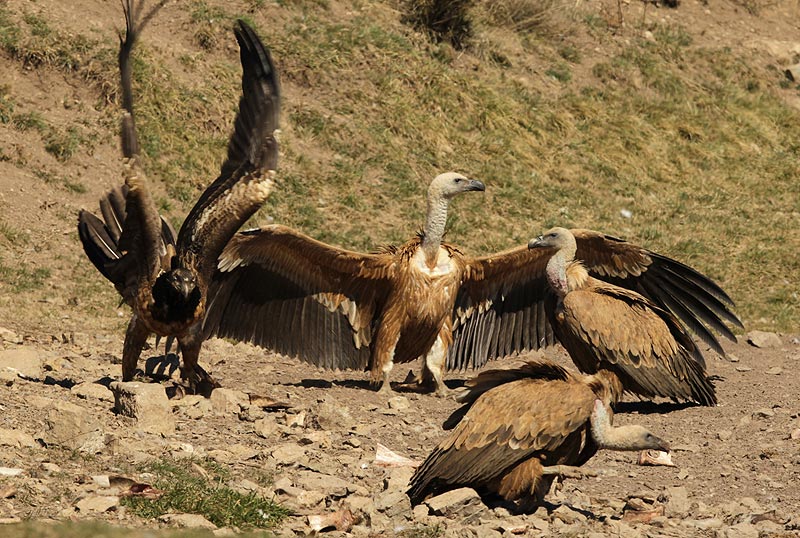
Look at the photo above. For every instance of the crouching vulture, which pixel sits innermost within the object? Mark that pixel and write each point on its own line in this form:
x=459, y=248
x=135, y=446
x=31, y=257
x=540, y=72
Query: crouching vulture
x=165, y=279
x=519, y=428
x=606, y=327
x=335, y=308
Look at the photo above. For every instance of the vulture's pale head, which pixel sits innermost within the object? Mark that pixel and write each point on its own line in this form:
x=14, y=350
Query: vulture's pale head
x=450, y=184
x=560, y=238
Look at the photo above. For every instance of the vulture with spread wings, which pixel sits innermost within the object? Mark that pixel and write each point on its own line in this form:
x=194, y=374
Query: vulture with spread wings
x=165, y=278
x=335, y=308
x=520, y=428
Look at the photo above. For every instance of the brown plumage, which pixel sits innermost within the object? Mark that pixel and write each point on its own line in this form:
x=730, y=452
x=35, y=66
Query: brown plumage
x=164, y=279
x=606, y=327
x=520, y=427
x=340, y=309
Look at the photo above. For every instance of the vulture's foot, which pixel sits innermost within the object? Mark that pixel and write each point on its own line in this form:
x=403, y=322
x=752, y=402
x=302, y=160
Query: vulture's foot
x=415, y=383
x=567, y=471
x=198, y=381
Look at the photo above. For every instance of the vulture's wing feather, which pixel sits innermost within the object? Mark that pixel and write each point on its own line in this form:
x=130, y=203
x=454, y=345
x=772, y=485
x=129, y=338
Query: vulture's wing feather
x=504, y=426
x=502, y=290
x=612, y=328
x=280, y=289
x=141, y=231
x=245, y=179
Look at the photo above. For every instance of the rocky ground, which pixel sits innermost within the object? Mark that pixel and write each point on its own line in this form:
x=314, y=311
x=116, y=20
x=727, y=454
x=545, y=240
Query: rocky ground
x=309, y=438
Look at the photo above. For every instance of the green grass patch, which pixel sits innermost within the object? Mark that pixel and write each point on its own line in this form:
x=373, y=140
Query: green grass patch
x=21, y=277
x=186, y=490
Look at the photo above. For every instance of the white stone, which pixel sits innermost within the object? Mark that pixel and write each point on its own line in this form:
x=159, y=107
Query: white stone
x=145, y=402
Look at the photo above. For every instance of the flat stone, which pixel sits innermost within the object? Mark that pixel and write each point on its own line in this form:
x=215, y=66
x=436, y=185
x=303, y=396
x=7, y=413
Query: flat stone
x=703, y=524
x=25, y=361
x=775, y=370
x=288, y=453
x=742, y=530
x=92, y=391
x=463, y=504
x=11, y=471
x=764, y=412
x=393, y=503
x=399, y=402
x=677, y=501
x=568, y=515
x=16, y=438
x=266, y=427
x=145, y=402
x=73, y=427
x=334, y=416
x=228, y=401
x=331, y=485
x=7, y=335
x=97, y=503
x=189, y=521
x=763, y=339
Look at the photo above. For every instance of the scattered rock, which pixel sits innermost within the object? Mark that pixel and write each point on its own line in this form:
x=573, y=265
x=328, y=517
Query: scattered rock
x=399, y=402
x=92, y=391
x=145, y=402
x=73, y=427
x=190, y=521
x=16, y=438
x=341, y=520
x=677, y=501
x=743, y=369
x=228, y=401
x=775, y=370
x=568, y=515
x=97, y=503
x=393, y=503
x=388, y=458
x=763, y=413
x=10, y=471
x=288, y=453
x=724, y=435
x=24, y=361
x=703, y=524
x=741, y=530
x=333, y=486
x=266, y=427
x=762, y=339
x=463, y=504
x=330, y=416
x=7, y=335
x=795, y=434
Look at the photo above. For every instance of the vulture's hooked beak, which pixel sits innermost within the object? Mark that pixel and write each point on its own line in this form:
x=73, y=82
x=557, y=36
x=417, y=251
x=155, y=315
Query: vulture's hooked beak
x=475, y=185
x=536, y=243
x=186, y=288
x=662, y=444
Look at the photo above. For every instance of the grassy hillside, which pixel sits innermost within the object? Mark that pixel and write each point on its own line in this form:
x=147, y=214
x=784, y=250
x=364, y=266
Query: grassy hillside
x=567, y=121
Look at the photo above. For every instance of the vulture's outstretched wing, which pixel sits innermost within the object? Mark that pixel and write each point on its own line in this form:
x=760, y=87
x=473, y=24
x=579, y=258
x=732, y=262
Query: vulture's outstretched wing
x=504, y=426
x=500, y=309
x=100, y=239
x=246, y=177
x=132, y=241
x=607, y=327
x=287, y=292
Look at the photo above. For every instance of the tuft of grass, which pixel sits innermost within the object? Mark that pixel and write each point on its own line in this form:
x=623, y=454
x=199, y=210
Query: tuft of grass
x=541, y=16
x=188, y=491
x=20, y=277
x=443, y=20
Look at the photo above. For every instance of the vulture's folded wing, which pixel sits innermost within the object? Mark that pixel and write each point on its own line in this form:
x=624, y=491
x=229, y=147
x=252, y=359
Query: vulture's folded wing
x=607, y=327
x=503, y=427
x=246, y=177
x=501, y=308
x=287, y=292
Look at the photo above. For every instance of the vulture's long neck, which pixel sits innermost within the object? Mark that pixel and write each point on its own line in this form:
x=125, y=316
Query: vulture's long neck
x=560, y=267
x=434, y=228
x=608, y=437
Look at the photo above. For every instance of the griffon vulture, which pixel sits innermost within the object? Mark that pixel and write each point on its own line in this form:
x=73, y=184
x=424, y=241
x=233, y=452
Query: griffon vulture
x=335, y=308
x=519, y=428
x=332, y=307
x=606, y=327
x=164, y=279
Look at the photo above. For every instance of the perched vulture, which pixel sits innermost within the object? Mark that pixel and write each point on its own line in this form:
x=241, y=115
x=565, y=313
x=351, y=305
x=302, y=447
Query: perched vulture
x=606, y=327
x=339, y=309
x=335, y=308
x=165, y=279
x=521, y=427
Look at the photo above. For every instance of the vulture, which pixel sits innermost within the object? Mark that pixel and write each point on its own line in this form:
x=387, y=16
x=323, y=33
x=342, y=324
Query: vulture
x=521, y=427
x=332, y=307
x=606, y=327
x=163, y=277
x=339, y=309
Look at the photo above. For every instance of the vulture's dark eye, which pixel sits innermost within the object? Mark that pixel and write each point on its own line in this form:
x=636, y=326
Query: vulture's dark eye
x=458, y=180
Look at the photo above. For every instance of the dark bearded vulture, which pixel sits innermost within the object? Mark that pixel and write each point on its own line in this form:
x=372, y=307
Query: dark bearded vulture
x=519, y=428
x=335, y=308
x=163, y=278
x=606, y=327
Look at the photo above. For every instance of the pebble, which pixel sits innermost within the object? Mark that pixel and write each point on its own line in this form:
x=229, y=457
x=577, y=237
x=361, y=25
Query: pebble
x=763, y=339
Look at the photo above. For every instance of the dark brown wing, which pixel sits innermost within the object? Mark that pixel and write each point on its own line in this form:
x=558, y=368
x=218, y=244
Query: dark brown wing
x=501, y=308
x=100, y=239
x=287, y=292
x=504, y=426
x=140, y=237
x=246, y=176
x=607, y=327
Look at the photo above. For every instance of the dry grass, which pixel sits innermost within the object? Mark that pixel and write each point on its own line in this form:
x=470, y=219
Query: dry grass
x=682, y=136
